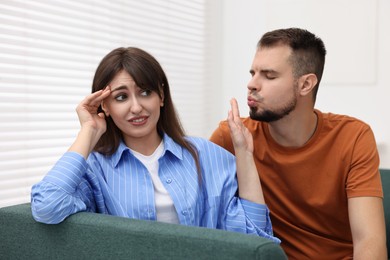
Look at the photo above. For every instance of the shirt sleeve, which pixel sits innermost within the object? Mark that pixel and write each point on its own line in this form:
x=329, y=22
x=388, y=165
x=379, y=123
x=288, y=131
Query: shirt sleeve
x=257, y=219
x=63, y=191
x=248, y=217
x=235, y=214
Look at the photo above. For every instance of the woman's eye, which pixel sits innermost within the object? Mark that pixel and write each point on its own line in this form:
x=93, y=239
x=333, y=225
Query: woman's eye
x=120, y=97
x=145, y=92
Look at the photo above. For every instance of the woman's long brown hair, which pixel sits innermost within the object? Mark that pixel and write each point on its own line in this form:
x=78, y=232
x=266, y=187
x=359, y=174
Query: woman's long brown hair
x=148, y=74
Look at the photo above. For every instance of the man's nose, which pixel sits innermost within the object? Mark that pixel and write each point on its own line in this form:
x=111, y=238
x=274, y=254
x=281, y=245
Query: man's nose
x=253, y=85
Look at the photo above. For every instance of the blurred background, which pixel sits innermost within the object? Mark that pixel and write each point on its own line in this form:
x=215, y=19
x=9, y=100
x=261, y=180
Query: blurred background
x=49, y=51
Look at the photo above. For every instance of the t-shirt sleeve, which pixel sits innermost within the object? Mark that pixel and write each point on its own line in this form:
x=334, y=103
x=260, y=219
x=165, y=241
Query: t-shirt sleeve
x=364, y=177
x=221, y=136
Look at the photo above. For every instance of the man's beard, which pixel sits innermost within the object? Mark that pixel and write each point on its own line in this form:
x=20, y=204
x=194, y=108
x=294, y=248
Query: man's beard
x=268, y=115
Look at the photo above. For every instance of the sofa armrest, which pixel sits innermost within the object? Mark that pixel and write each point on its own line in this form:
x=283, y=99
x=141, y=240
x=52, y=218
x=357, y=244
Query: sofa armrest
x=97, y=236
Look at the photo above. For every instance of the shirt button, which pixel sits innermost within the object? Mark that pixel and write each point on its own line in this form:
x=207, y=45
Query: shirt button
x=184, y=212
x=169, y=181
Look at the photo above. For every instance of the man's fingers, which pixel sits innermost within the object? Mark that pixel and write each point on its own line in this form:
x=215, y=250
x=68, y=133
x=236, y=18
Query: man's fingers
x=230, y=120
x=235, y=110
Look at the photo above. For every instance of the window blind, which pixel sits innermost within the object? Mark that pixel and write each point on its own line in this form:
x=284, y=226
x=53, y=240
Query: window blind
x=49, y=51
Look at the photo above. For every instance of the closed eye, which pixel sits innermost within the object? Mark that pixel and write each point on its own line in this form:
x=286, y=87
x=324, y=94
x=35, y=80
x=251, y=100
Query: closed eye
x=269, y=74
x=270, y=77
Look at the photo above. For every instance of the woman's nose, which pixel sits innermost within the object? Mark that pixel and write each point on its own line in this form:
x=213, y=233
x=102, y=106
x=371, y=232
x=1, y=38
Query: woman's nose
x=136, y=106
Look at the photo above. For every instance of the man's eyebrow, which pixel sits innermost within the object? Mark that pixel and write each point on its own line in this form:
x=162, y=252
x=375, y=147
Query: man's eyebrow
x=265, y=71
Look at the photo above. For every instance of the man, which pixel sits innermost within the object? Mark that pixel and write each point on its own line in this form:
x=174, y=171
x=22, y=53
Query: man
x=319, y=171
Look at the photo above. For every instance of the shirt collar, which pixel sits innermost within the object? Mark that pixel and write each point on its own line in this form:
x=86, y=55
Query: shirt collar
x=169, y=146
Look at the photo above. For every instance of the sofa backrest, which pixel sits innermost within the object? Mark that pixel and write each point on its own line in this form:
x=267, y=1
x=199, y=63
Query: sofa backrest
x=97, y=236
x=385, y=176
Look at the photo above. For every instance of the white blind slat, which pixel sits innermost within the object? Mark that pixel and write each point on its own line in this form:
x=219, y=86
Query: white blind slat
x=49, y=51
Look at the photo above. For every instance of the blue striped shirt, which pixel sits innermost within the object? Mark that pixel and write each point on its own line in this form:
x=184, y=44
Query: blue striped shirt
x=120, y=185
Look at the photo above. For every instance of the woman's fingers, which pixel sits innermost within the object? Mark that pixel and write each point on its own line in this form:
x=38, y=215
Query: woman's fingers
x=87, y=110
x=97, y=97
x=93, y=101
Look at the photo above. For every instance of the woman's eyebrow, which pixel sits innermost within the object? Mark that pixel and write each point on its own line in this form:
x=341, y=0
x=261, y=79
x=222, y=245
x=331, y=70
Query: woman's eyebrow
x=119, y=88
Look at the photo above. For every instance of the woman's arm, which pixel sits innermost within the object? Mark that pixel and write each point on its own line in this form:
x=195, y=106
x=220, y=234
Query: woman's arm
x=64, y=190
x=93, y=124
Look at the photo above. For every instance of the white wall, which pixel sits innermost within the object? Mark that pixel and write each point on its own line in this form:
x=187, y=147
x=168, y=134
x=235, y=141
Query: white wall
x=355, y=32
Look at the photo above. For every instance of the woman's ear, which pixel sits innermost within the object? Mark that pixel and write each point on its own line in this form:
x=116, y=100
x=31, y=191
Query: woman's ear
x=162, y=95
x=104, y=108
x=307, y=83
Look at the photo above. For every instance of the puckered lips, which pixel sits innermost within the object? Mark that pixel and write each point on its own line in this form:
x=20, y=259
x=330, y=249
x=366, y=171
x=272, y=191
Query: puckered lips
x=252, y=102
x=139, y=120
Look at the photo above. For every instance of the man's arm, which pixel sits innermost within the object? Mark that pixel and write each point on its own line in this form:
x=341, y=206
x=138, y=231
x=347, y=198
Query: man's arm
x=366, y=216
x=249, y=186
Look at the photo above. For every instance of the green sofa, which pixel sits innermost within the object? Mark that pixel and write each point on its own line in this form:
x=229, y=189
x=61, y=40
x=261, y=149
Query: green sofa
x=385, y=175
x=97, y=236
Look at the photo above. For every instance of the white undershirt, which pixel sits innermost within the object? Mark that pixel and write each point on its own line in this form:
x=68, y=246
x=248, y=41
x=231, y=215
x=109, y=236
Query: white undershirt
x=165, y=209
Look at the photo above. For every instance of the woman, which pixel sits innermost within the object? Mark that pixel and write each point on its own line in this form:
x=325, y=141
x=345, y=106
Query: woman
x=132, y=159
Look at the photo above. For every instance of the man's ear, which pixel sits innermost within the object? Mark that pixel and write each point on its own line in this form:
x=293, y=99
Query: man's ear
x=307, y=83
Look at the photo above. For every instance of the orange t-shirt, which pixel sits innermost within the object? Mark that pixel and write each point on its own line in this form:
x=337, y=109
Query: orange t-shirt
x=307, y=188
